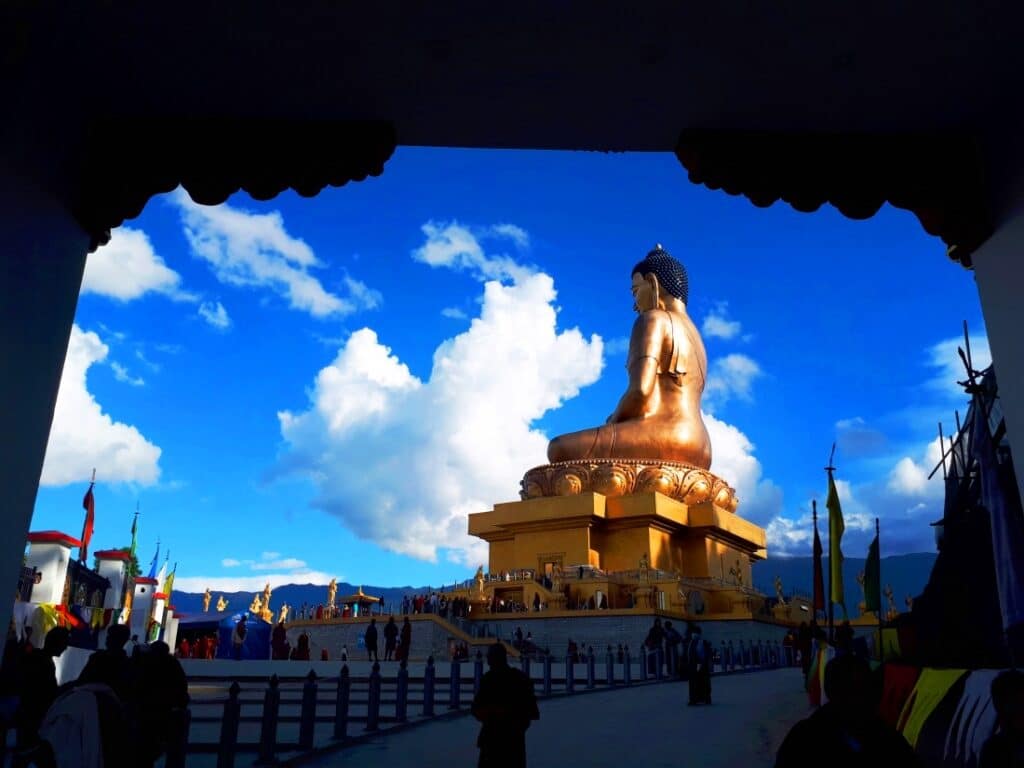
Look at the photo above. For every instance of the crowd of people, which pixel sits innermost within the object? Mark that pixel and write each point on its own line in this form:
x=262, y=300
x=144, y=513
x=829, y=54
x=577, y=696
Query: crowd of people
x=127, y=707
x=201, y=647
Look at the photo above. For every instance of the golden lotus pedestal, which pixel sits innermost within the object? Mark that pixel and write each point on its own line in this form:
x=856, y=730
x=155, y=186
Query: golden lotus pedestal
x=632, y=526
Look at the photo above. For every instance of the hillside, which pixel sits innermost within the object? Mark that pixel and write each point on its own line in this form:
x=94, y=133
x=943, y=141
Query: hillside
x=907, y=573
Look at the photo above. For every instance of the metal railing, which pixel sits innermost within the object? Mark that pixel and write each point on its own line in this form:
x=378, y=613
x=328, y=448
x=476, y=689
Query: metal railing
x=346, y=706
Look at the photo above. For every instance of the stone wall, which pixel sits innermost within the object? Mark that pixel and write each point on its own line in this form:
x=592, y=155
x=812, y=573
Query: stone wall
x=429, y=637
x=603, y=628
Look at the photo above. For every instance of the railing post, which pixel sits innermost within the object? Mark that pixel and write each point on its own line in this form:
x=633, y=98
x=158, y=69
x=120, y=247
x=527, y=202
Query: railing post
x=177, y=748
x=307, y=718
x=732, y=658
x=428, y=688
x=609, y=668
x=402, y=693
x=229, y=728
x=454, y=684
x=659, y=657
x=373, y=700
x=627, y=668
x=268, y=726
x=645, y=659
x=570, y=674
x=341, y=703
x=590, y=669
x=547, y=674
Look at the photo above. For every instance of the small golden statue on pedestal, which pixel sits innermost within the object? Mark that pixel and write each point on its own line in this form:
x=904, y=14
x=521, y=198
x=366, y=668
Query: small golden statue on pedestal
x=892, y=612
x=862, y=606
x=206, y=600
x=778, y=591
x=256, y=606
x=332, y=592
x=479, y=580
x=283, y=615
x=222, y=604
x=736, y=572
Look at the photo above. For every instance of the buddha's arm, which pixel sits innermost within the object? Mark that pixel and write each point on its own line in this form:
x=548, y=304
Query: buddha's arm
x=644, y=351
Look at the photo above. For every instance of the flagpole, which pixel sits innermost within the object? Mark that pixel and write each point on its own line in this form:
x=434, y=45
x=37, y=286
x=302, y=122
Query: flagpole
x=831, y=564
x=878, y=538
x=814, y=575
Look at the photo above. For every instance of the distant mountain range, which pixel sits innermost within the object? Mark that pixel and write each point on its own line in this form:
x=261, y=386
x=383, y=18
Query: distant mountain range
x=907, y=573
x=293, y=594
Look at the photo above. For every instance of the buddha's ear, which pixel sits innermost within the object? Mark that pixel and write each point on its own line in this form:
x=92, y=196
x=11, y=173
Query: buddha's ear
x=652, y=280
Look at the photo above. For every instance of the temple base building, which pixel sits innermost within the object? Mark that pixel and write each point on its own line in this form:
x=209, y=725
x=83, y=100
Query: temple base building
x=614, y=550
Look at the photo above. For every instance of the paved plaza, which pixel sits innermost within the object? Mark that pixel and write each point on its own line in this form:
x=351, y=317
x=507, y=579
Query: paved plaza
x=648, y=725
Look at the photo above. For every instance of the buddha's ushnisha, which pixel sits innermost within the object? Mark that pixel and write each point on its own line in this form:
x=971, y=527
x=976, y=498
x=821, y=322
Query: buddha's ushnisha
x=658, y=417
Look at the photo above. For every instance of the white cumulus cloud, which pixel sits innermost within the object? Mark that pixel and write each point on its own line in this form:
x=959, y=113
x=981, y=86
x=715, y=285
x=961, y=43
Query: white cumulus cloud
x=83, y=437
x=718, y=325
x=733, y=460
x=909, y=477
x=121, y=374
x=732, y=376
x=402, y=461
x=247, y=249
x=215, y=314
x=458, y=247
x=127, y=268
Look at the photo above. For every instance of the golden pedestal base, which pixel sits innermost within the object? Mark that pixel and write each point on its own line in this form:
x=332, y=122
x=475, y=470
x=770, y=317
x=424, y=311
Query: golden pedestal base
x=623, y=477
x=574, y=534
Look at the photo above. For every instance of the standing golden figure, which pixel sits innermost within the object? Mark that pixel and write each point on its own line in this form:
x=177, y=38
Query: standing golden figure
x=658, y=417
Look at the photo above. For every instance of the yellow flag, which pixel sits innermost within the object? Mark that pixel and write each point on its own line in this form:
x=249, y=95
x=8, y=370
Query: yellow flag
x=835, y=536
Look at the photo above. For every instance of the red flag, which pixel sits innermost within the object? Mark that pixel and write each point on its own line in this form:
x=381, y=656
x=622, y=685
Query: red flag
x=89, y=505
x=819, y=578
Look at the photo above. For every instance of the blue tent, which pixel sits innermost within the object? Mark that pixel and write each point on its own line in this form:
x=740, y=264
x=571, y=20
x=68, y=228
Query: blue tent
x=257, y=637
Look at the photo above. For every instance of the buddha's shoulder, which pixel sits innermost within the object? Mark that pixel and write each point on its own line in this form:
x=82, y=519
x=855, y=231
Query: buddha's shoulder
x=653, y=319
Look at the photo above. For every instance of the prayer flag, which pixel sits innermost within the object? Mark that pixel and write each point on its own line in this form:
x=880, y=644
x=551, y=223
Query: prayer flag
x=156, y=558
x=873, y=579
x=835, y=536
x=1001, y=499
x=169, y=584
x=819, y=578
x=89, y=505
x=135, y=527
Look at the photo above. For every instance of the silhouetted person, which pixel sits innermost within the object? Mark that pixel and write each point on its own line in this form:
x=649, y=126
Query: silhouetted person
x=1006, y=747
x=238, y=638
x=844, y=638
x=279, y=644
x=505, y=705
x=37, y=687
x=846, y=731
x=405, y=640
x=370, y=639
x=110, y=665
x=160, y=700
x=698, y=667
x=655, y=638
x=390, y=638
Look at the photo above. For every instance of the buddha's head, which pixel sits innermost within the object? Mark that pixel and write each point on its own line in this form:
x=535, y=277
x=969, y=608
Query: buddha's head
x=658, y=277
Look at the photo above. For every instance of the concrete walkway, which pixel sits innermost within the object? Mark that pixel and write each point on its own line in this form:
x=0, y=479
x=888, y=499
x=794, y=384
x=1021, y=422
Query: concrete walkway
x=649, y=726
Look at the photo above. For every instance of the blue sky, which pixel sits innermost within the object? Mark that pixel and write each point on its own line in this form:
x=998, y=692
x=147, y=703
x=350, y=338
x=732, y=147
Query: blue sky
x=308, y=388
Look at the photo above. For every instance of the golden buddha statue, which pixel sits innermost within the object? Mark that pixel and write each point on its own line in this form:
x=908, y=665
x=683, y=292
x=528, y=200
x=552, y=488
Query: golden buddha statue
x=658, y=416
x=222, y=604
x=206, y=600
x=655, y=440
